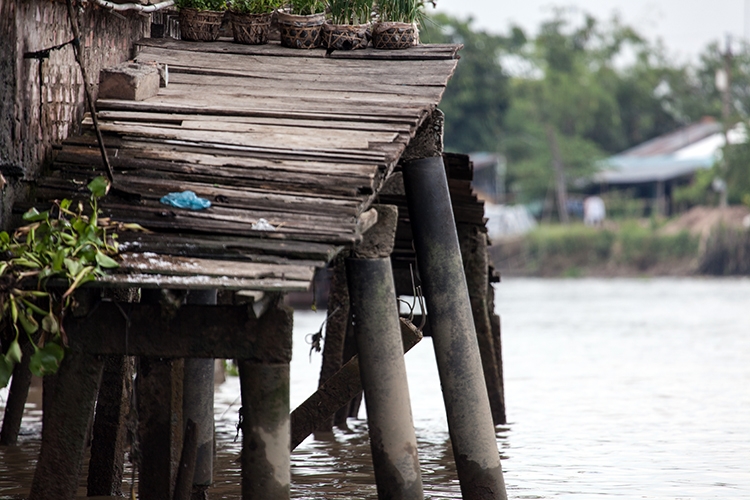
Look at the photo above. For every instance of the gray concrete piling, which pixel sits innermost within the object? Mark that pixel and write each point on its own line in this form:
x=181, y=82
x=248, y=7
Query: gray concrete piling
x=453, y=333
x=383, y=373
x=264, y=385
x=198, y=404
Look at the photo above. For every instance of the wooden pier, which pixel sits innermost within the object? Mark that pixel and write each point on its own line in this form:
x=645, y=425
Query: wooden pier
x=298, y=154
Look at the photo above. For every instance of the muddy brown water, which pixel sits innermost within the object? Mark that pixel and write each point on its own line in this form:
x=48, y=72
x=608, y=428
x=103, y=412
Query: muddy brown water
x=622, y=388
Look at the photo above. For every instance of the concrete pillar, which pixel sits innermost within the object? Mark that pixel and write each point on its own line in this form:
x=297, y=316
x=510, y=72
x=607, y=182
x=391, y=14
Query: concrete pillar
x=453, y=334
x=68, y=408
x=264, y=384
x=198, y=405
x=383, y=374
x=17, y=395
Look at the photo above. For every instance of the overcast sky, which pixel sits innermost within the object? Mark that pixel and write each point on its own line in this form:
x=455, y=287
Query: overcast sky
x=685, y=26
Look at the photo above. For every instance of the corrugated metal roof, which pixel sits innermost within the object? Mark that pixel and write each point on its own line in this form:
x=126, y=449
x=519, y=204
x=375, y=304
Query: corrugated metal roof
x=673, y=141
x=301, y=140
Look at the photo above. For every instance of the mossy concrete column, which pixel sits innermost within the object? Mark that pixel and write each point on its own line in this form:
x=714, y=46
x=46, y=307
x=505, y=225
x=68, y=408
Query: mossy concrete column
x=264, y=384
x=198, y=405
x=453, y=333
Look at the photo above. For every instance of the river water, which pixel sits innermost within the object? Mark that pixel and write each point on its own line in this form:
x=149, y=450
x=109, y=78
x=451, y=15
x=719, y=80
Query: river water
x=618, y=388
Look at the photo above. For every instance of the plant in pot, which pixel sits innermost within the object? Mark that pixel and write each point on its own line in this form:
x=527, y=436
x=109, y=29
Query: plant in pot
x=302, y=26
x=397, y=24
x=349, y=26
x=200, y=20
x=251, y=20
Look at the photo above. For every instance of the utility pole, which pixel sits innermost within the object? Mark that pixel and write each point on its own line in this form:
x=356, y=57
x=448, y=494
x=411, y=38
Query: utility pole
x=724, y=85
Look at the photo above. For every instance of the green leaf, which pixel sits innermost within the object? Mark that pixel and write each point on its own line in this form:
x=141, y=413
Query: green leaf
x=99, y=186
x=14, y=352
x=46, y=360
x=65, y=204
x=6, y=370
x=28, y=322
x=73, y=266
x=4, y=237
x=106, y=261
x=33, y=215
x=50, y=324
x=57, y=260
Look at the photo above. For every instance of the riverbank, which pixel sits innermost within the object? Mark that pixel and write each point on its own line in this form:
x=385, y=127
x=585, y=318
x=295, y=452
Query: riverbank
x=704, y=240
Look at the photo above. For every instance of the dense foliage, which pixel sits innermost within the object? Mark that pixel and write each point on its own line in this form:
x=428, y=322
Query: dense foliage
x=64, y=247
x=593, y=88
x=350, y=11
x=306, y=7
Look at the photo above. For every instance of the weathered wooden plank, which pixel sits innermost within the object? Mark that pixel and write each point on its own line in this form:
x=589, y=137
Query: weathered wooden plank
x=366, y=86
x=256, y=249
x=190, y=331
x=420, y=52
x=229, y=110
x=199, y=282
x=151, y=263
x=157, y=117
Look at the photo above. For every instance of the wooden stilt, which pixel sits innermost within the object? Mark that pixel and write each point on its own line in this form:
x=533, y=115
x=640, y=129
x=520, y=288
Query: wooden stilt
x=343, y=386
x=476, y=267
x=67, y=414
x=17, y=395
x=183, y=488
x=110, y=432
x=159, y=398
x=335, y=332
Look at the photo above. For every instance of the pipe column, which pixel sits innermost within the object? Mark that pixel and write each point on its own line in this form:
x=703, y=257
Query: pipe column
x=198, y=405
x=453, y=333
x=383, y=373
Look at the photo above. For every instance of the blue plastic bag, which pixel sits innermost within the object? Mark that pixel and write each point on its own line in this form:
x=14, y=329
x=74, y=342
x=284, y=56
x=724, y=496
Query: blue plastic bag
x=185, y=199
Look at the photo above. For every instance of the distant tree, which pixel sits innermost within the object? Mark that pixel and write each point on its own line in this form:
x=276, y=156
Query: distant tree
x=476, y=99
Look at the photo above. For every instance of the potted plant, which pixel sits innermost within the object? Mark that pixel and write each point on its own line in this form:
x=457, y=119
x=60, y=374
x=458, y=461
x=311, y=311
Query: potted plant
x=301, y=27
x=251, y=20
x=350, y=22
x=397, y=24
x=200, y=20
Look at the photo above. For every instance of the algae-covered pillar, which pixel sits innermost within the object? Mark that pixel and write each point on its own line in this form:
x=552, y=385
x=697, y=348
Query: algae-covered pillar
x=381, y=362
x=451, y=321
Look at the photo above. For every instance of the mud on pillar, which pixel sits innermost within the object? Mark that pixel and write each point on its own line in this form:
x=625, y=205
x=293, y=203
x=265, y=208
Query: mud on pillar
x=264, y=385
x=381, y=361
x=451, y=321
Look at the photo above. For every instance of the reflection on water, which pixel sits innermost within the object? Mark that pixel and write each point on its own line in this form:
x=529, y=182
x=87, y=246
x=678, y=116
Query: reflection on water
x=614, y=388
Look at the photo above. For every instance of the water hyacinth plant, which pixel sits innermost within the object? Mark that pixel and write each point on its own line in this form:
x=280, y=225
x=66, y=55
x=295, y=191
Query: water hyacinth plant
x=254, y=6
x=306, y=7
x=65, y=246
x=214, y=5
x=350, y=11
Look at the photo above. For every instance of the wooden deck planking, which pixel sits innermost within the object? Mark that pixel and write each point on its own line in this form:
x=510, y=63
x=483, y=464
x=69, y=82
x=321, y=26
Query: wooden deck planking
x=298, y=139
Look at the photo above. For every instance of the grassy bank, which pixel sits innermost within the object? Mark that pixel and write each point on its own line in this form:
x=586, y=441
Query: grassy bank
x=630, y=248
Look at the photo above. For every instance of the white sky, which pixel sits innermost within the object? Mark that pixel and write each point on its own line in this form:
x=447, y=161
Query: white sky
x=685, y=26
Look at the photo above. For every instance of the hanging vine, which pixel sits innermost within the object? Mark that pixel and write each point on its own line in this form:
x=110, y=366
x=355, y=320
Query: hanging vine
x=42, y=264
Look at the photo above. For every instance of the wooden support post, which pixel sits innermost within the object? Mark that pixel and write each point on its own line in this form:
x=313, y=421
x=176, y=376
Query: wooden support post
x=17, y=395
x=498, y=344
x=159, y=397
x=183, y=489
x=110, y=432
x=335, y=331
x=264, y=383
x=198, y=405
x=338, y=390
x=67, y=416
x=453, y=334
x=473, y=244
